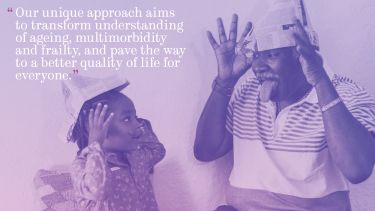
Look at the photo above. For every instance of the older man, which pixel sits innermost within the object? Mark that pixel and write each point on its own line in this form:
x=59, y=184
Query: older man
x=298, y=133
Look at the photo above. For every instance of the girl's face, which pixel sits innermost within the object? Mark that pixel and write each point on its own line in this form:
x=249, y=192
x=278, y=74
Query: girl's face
x=125, y=127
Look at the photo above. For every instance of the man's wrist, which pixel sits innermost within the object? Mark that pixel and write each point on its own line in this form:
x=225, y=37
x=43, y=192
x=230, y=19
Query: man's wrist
x=228, y=83
x=321, y=77
x=224, y=87
x=326, y=92
x=323, y=82
x=331, y=104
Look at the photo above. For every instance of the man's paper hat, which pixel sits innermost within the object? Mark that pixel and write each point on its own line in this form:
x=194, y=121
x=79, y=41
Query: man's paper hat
x=79, y=89
x=275, y=29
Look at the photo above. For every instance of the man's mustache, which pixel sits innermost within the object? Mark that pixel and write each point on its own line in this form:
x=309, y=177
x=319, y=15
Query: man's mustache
x=262, y=76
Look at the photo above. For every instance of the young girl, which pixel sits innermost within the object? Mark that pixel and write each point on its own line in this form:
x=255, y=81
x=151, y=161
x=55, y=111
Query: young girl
x=117, y=152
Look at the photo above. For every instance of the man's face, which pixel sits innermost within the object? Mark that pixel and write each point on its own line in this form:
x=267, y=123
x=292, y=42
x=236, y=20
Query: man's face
x=277, y=70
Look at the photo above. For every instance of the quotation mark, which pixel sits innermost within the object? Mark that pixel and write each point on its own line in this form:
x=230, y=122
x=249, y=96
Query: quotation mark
x=10, y=9
x=75, y=71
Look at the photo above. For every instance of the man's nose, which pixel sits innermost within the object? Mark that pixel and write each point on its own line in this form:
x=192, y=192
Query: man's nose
x=259, y=65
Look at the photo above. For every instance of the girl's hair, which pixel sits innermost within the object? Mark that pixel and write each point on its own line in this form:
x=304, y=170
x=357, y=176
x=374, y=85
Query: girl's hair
x=79, y=132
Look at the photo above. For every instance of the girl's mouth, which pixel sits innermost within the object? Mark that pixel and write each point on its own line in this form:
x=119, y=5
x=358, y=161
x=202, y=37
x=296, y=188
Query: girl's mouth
x=138, y=133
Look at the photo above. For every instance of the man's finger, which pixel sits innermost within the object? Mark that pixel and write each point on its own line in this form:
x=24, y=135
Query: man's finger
x=245, y=50
x=302, y=51
x=249, y=62
x=243, y=45
x=233, y=28
x=302, y=47
x=220, y=27
x=212, y=40
x=299, y=40
x=247, y=30
x=301, y=31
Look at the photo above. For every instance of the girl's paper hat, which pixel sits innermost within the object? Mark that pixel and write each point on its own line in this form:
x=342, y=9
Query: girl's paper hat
x=80, y=88
x=275, y=29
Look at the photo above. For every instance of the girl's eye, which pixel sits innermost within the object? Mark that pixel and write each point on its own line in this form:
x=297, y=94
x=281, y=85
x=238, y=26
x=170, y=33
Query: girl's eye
x=127, y=119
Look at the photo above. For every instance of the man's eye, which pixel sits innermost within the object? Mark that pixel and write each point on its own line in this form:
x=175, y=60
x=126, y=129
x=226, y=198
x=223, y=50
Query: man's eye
x=272, y=55
x=127, y=119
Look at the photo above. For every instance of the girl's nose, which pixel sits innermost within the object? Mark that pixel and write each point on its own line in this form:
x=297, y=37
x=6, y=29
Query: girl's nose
x=139, y=122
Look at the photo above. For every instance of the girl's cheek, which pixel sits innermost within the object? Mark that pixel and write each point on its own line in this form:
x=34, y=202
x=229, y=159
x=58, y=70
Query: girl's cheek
x=110, y=130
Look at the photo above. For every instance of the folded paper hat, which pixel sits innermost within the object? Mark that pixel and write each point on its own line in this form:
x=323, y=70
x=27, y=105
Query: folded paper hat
x=275, y=29
x=80, y=88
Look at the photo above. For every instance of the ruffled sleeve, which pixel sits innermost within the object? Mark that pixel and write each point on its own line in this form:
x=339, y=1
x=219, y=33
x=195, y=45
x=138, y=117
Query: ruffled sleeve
x=90, y=173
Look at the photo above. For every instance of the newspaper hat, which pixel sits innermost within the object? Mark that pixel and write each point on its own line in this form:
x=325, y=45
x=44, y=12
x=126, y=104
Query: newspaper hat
x=79, y=89
x=275, y=29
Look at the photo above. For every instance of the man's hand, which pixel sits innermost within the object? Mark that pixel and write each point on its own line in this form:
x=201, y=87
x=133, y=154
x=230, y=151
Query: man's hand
x=98, y=125
x=311, y=61
x=231, y=64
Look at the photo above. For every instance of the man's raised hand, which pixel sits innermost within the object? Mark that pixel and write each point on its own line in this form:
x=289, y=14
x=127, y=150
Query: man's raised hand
x=232, y=64
x=311, y=61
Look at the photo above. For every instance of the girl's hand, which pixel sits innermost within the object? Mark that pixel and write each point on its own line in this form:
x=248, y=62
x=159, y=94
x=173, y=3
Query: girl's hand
x=231, y=64
x=98, y=125
x=146, y=137
x=148, y=134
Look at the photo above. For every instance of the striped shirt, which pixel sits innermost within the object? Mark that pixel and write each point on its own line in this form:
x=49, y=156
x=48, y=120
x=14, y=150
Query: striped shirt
x=288, y=153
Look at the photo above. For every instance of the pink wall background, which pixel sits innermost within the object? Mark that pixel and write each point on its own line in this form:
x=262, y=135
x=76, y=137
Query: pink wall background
x=171, y=100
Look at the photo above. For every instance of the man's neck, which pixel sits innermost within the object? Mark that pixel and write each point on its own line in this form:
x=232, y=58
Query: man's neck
x=300, y=91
